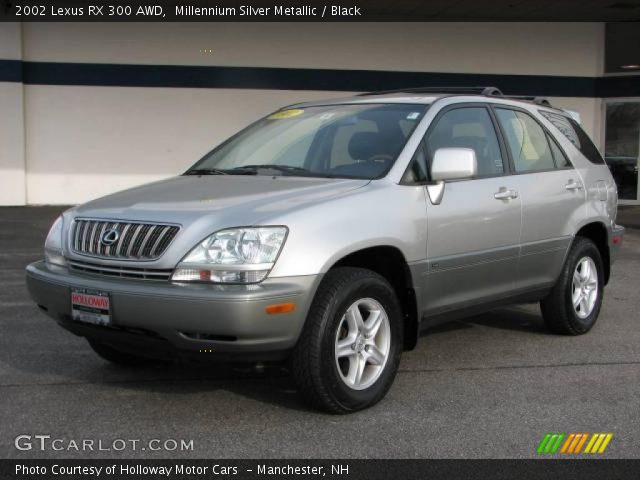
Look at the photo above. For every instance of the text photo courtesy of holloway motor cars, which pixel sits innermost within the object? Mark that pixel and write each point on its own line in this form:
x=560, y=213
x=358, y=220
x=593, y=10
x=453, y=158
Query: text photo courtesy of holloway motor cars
x=324, y=240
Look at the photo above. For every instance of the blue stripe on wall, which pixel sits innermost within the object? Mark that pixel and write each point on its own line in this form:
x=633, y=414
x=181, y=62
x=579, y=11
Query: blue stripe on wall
x=622, y=86
x=182, y=76
x=10, y=71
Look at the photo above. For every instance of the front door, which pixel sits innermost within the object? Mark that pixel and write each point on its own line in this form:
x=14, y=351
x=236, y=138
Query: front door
x=472, y=244
x=473, y=233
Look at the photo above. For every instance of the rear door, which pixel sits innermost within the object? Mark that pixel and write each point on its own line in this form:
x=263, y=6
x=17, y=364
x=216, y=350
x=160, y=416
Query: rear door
x=473, y=233
x=552, y=194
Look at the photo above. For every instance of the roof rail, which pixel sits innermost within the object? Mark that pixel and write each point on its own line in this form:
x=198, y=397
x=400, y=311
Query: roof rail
x=537, y=100
x=488, y=91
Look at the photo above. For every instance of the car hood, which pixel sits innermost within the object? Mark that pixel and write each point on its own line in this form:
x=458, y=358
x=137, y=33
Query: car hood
x=220, y=200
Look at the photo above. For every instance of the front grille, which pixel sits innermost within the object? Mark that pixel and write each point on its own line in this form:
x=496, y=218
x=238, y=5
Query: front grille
x=122, y=272
x=135, y=240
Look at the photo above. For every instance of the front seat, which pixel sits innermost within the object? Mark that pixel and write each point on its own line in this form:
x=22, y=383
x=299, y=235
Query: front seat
x=372, y=152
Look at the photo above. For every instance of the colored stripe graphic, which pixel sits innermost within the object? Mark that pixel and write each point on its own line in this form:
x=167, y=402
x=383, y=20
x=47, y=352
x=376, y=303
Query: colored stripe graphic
x=573, y=443
x=598, y=443
x=581, y=443
x=550, y=443
x=594, y=437
x=565, y=447
x=577, y=442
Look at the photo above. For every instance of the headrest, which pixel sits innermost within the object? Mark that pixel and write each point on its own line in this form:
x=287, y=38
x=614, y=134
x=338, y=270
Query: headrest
x=364, y=145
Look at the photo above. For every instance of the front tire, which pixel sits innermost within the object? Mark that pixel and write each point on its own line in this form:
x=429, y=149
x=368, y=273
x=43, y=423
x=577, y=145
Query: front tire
x=349, y=351
x=573, y=305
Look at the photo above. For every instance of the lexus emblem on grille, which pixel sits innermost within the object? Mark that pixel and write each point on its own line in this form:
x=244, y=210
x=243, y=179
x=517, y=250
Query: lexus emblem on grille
x=110, y=237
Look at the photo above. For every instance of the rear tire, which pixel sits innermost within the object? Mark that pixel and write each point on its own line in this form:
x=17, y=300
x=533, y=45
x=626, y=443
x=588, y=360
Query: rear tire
x=573, y=305
x=348, y=353
x=119, y=357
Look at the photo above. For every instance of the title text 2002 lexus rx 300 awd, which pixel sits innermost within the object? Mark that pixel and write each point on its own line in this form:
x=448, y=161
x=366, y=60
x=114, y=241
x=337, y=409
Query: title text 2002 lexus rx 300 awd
x=330, y=233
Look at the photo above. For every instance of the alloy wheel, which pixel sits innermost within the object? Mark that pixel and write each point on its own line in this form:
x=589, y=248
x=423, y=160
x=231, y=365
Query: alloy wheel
x=363, y=343
x=584, y=289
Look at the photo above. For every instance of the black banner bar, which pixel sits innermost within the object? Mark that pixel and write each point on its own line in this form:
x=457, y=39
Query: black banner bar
x=194, y=11
x=301, y=11
x=574, y=469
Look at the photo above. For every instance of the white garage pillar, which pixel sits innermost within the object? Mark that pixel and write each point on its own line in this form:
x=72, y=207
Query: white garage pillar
x=12, y=141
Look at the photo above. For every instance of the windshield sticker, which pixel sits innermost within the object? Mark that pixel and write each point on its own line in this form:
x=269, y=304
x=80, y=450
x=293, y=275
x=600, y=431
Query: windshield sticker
x=286, y=114
x=413, y=115
x=326, y=116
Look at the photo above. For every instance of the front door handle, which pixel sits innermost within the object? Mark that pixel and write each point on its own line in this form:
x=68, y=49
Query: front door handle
x=573, y=185
x=505, y=194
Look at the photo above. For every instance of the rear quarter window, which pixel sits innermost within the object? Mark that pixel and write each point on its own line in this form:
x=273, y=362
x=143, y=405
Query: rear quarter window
x=575, y=134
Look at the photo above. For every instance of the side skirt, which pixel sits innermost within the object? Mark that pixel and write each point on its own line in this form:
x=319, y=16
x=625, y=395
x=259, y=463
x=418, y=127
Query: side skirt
x=429, y=320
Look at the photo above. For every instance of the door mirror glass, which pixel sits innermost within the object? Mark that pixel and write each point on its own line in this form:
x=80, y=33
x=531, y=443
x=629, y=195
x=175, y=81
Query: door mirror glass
x=453, y=163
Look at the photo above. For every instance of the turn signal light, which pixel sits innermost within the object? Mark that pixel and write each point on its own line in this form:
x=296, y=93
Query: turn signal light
x=280, y=308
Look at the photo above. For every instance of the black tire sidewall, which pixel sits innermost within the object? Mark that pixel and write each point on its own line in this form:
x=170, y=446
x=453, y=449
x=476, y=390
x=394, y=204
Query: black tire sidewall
x=382, y=292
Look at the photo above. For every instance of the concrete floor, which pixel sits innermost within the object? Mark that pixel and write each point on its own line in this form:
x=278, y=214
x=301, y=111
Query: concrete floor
x=490, y=386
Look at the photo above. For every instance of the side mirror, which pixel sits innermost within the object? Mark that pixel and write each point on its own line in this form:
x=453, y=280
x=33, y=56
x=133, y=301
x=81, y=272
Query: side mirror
x=450, y=164
x=453, y=163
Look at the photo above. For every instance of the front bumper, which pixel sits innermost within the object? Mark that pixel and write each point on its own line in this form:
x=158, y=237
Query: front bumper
x=165, y=319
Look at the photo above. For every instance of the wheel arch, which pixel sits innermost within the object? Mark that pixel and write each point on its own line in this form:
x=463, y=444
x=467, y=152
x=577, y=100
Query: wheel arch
x=390, y=263
x=597, y=232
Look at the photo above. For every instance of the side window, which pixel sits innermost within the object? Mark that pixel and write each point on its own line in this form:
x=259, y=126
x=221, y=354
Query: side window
x=587, y=147
x=559, y=156
x=417, y=171
x=467, y=127
x=526, y=140
x=575, y=134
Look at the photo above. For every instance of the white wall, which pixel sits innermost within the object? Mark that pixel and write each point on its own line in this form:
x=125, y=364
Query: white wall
x=12, y=141
x=519, y=48
x=95, y=140
x=84, y=142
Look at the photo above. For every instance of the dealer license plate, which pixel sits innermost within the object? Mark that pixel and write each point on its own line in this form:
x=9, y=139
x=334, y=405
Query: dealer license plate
x=90, y=306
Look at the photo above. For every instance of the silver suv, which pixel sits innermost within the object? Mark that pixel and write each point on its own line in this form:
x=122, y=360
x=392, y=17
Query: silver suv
x=330, y=233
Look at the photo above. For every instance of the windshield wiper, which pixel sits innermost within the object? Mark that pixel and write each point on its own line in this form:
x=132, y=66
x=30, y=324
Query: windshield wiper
x=253, y=169
x=206, y=171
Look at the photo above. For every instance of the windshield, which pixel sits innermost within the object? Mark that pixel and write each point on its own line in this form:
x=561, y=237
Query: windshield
x=337, y=141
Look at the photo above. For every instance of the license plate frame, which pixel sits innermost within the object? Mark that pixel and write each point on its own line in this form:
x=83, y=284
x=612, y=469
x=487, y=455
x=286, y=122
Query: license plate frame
x=91, y=306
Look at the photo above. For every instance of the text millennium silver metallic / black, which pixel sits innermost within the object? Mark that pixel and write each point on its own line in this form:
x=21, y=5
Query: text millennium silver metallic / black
x=276, y=10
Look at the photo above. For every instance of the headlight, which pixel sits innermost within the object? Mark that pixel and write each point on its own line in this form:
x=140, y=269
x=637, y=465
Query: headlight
x=53, y=245
x=236, y=255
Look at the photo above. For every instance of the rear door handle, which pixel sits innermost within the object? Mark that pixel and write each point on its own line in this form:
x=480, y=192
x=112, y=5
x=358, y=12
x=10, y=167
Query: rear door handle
x=505, y=194
x=573, y=185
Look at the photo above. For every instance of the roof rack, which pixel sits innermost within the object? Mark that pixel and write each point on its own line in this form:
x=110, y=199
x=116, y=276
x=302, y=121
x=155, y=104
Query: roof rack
x=486, y=91
x=537, y=100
